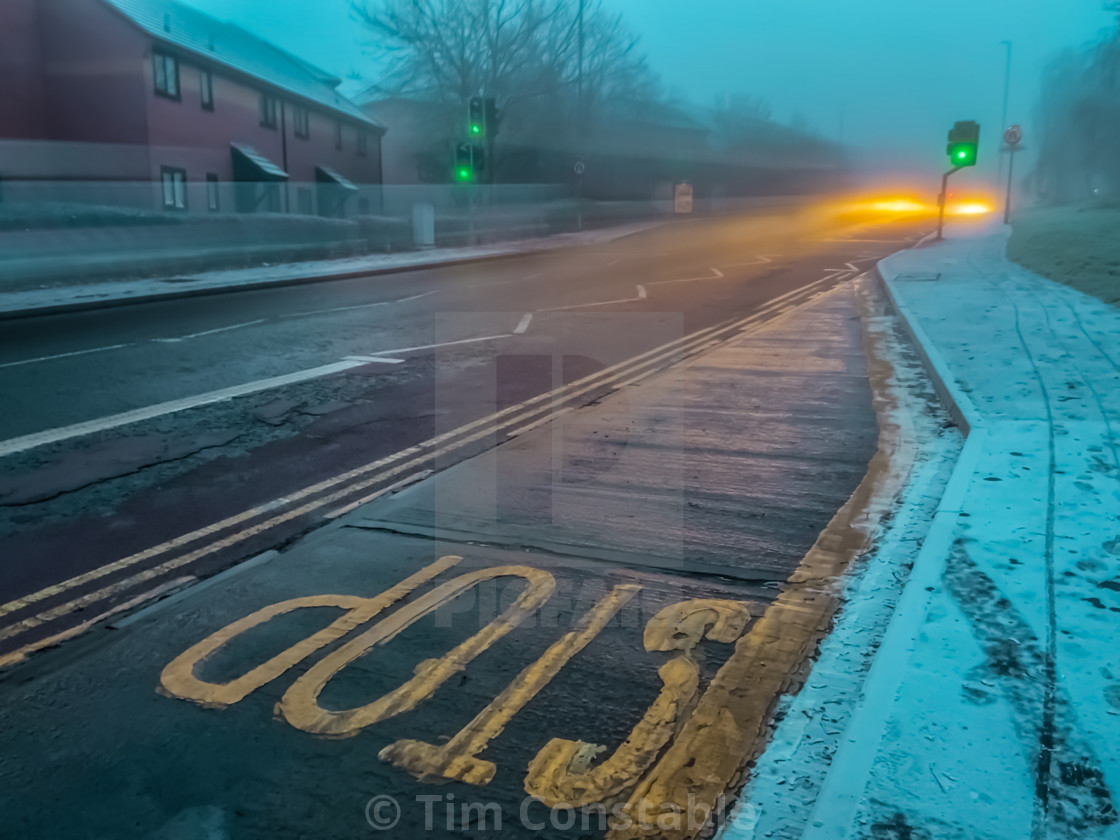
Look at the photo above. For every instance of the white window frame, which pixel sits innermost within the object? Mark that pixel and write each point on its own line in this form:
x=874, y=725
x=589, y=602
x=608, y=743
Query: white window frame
x=166, y=70
x=173, y=181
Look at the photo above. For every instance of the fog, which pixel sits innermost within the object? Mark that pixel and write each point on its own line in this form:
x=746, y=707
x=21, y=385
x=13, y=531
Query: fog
x=885, y=77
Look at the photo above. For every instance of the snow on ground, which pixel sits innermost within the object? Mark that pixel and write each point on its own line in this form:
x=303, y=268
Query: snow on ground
x=992, y=706
x=1078, y=246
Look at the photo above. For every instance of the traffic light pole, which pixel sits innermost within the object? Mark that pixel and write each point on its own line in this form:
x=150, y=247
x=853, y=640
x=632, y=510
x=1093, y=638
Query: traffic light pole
x=941, y=200
x=1011, y=150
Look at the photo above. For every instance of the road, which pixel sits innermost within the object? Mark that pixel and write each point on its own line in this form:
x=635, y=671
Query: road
x=149, y=442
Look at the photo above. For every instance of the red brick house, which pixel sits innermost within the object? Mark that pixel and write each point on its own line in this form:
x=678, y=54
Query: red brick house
x=189, y=112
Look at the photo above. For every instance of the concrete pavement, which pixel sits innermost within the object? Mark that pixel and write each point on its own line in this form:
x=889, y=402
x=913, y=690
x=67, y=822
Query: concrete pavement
x=991, y=706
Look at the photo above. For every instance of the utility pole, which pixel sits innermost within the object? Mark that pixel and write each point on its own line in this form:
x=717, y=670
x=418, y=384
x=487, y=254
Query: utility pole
x=1006, y=97
x=1012, y=138
x=579, y=82
x=581, y=122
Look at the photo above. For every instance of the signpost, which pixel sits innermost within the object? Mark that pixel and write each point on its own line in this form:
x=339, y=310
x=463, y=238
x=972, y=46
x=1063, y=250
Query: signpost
x=1012, y=139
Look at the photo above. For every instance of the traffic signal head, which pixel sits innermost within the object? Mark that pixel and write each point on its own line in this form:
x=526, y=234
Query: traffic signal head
x=469, y=161
x=476, y=117
x=464, y=164
x=964, y=143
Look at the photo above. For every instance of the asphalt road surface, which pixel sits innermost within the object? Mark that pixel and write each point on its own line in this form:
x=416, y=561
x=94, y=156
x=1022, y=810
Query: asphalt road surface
x=133, y=439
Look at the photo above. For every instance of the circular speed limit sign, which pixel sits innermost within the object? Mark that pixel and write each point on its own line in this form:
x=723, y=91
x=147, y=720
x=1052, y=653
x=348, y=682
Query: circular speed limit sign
x=1013, y=136
x=580, y=167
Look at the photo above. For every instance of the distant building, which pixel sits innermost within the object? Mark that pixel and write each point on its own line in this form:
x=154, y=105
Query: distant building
x=631, y=151
x=418, y=148
x=98, y=97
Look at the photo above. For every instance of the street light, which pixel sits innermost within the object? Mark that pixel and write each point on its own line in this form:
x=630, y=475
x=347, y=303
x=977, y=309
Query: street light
x=1006, y=95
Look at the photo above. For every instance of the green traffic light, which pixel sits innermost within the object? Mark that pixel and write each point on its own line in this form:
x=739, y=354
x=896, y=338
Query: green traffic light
x=476, y=129
x=463, y=174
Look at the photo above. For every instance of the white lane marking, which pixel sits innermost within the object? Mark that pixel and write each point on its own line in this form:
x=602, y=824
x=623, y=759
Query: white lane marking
x=365, y=360
x=385, y=353
x=532, y=277
x=208, y=332
x=641, y=296
x=759, y=260
x=22, y=444
x=414, y=297
x=523, y=324
x=359, y=306
x=715, y=275
x=63, y=355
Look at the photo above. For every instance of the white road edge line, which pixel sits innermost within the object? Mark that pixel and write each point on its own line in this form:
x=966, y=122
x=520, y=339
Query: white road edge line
x=22, y=444
x=208, y=332
x=26, y=442
x=523, y=324
x=63, y=355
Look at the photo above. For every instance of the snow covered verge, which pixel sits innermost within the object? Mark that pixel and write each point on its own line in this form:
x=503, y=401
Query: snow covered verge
x=991, y=705
x=1078, y=246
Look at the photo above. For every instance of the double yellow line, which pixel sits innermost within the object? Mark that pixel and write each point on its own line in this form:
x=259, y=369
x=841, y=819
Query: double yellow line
x=400, y=466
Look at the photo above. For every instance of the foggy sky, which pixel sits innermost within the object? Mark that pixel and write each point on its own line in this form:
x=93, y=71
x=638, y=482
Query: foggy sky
x=888, y=77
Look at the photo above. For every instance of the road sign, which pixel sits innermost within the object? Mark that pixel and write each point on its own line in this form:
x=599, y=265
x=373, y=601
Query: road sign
x=1013, y=136
x=683, y=198
x=580, y=168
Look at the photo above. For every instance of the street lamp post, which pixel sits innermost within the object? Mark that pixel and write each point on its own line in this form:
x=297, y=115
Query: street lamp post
x=1006, y=97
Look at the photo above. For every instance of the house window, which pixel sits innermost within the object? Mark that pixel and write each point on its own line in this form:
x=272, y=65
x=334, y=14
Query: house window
x=338, y=135
x=166, y=75
x=363, y=143
x=303, y=201
x=268, y=110
x=213, y=202
x=206, y=87
x=301, y=122
x=174, y=183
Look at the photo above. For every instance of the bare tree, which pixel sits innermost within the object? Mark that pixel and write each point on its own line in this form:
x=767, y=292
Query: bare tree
x=1079, y=121
x=524, y=53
